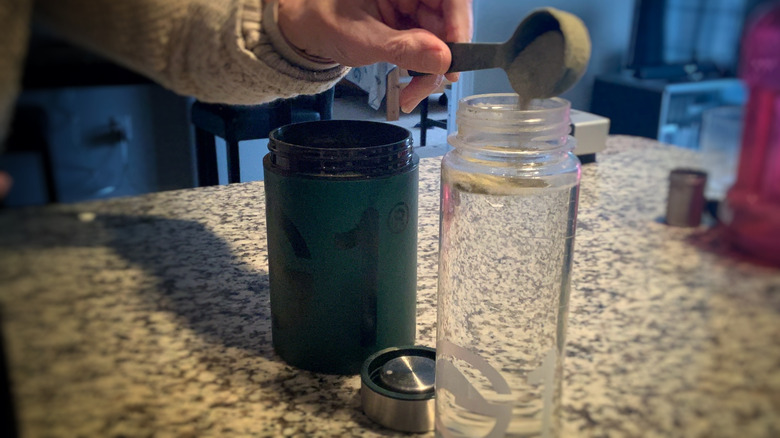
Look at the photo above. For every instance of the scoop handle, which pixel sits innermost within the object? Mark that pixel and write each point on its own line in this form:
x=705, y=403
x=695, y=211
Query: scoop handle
x=472, y=56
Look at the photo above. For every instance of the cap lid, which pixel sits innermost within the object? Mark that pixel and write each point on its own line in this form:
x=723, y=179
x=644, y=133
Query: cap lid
x=397, y=388
x=685, y=202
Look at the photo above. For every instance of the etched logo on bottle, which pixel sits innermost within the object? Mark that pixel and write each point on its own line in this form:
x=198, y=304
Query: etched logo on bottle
x=398, y=218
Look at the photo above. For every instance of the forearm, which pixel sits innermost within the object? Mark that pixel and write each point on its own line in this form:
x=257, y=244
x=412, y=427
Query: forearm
x=214, y=50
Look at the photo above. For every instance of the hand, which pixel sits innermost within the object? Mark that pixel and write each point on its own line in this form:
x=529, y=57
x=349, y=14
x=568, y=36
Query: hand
x=407, y=33
x=5, y=184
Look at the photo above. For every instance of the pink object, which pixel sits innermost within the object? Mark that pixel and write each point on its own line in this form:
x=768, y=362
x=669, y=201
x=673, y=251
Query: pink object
x=753, y=203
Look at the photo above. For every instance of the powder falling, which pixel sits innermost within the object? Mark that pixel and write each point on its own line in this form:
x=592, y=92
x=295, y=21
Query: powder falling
x=536, y=71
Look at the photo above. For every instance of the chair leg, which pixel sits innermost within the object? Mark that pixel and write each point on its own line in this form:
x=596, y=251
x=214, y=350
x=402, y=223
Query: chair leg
x=233, y=164
x=423, y=121
x=324, y=103
x=205, y=150
x=48, y=171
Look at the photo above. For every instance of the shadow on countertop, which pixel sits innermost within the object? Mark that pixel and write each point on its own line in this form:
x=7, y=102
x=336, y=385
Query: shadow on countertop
x=187, y=269
x=193, y=273
x=716, y=241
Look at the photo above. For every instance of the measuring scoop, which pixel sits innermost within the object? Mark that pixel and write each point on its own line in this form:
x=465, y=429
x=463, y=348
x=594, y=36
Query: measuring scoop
x=546, y=56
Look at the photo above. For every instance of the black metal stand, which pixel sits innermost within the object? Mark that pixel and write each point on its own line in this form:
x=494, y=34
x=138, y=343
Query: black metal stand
x=426, y=123
x=236, y=123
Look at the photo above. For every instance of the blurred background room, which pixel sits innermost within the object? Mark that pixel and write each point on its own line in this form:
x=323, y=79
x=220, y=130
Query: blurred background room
x=88, y=129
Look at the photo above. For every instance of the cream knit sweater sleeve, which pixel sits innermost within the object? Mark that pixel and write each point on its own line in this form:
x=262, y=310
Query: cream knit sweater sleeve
x=214, y=50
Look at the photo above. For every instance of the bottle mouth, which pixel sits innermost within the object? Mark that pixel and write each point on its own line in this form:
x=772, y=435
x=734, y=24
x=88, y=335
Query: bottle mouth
x=498, y=122
x=503, y=112
x=341, y=149
x=490, y=103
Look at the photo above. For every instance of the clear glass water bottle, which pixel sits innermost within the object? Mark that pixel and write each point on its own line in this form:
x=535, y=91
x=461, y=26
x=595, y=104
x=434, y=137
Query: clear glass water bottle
x=508, y=214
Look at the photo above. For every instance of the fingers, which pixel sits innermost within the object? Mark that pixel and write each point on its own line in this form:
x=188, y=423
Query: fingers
x=407, y=33
x=419, y=50
x=458, y=20
x=418, y=89
x=407, y=7
x=450, y=20
x=387, y=12
x=414, y=49
x=433, y=4
x=430, y=19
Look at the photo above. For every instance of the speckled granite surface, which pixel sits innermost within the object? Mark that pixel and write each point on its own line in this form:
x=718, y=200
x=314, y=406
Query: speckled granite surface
x=149, y=316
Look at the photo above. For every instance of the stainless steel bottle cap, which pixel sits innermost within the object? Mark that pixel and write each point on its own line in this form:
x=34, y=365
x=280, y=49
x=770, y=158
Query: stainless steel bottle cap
x=397, y=388
x=685, y=203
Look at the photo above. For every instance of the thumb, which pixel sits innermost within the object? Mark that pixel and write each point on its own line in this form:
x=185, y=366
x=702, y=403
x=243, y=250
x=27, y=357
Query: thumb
x=413, y=49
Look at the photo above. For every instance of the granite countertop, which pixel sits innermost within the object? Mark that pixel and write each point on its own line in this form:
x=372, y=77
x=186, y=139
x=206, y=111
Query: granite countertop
x=149, y=316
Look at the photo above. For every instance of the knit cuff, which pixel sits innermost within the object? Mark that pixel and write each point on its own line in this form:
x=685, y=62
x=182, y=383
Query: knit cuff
x=281, y=77
x=268, y=21
x=286, y=49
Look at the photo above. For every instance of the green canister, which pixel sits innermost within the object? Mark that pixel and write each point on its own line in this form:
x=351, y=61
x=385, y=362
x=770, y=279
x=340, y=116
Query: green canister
x=341, y=213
